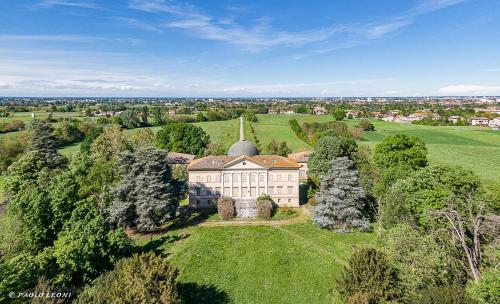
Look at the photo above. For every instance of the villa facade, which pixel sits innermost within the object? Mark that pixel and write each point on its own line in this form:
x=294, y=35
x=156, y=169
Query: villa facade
x=243, y=174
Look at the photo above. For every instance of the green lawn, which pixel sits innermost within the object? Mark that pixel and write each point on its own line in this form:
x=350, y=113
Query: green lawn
x=476, y=148
x=259, y=264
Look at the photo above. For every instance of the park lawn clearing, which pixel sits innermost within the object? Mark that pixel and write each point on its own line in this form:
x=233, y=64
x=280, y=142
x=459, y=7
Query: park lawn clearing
x=295, y=263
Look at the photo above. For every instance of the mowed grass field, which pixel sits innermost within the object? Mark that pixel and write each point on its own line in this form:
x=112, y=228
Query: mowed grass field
x=26, y=116
x=259, y=264
x=476, y=148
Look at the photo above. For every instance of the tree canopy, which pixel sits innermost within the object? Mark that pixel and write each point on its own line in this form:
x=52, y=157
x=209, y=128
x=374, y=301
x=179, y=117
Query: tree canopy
x=182, y=137
x=327, y=149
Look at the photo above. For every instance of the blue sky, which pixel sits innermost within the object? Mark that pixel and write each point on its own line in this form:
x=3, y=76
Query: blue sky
x=249, y=48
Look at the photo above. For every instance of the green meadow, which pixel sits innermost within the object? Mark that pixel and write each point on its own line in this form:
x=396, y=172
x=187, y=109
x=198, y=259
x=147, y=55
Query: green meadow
x=295, y=263
x=476, y=148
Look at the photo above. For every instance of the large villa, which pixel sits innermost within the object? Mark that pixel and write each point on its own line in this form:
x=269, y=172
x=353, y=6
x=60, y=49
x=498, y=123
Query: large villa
x=244, y=175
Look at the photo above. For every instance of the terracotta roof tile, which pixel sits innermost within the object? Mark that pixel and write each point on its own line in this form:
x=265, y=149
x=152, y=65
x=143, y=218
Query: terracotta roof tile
x=217, y=162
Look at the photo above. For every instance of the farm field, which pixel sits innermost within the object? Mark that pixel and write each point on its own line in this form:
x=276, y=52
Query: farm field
x=26, y=116
x=258, y=264
x=476, y=148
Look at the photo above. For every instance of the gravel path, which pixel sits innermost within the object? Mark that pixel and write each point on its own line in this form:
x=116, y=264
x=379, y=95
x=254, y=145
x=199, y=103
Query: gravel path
x=303, y=216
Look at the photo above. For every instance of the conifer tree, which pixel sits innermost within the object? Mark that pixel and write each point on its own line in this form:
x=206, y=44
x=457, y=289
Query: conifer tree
x=147, y=195
x=44, y=141
x=341, y=199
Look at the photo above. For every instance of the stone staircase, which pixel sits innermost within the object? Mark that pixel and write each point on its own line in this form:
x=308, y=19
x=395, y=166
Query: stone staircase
x=246, y=207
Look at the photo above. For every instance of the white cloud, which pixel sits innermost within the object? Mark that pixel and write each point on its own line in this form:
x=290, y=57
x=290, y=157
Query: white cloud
x=80, y=4
x=67, y=38
x=260, y=35
x=462, y=89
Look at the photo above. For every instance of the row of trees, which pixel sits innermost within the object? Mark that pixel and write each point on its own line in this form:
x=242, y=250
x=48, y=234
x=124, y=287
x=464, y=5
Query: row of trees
x=67, y=217
x=437, y=224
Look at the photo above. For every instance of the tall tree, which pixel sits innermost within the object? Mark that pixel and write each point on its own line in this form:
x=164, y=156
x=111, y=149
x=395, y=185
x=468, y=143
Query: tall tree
x=283, y=149
x=341, y=200
x=44, y=140
x=182, y=137
x=146, y=196
x=144, y=115
x=401, y=150
x=157, y=115
x=88, y=245
x=327, y=149
x=144, y=278
x=109, y=144
x=368, y=278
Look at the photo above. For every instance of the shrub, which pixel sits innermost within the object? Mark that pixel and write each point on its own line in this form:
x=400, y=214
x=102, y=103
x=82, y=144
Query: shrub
x=368, y=278
x=487, y=290
x=366, y=125
x=225, y=208
x=446, y=295
x=264, y=207
x=142, y=278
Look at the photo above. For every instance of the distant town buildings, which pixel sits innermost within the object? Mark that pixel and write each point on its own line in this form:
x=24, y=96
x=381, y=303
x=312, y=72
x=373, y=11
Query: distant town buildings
x=479, y=121
x=318, y=110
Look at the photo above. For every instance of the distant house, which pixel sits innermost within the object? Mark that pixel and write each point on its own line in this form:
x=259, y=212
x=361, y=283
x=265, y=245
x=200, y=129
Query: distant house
x=436, y=117
x=171, y=112
x=388, y=118
x=318, y=110
x=353, y=113
x=454, y=119
x=273, y=111
x=494, y=123
x=479, y=121
x=289, y=112
x=301, y=158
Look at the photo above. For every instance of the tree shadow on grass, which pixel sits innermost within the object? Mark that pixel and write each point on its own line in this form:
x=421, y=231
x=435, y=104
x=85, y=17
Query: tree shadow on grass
x=190, y=218
x=193, y=293
x=154, y=245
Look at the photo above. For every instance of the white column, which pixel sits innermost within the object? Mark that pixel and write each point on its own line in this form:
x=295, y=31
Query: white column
x=267, y=176
x=241, y=190
x=221, y=183
x=258, y=184
x=249, y=186
x=231, y=184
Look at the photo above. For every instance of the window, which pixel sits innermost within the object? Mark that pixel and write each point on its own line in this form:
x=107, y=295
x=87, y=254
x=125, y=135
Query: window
x=244, y=178
x=289, y=189
x=236, y=191
x=252, y=177
x=271, y=190
x=278, y=177
x=227, y=191
x=226, y=177
x=302, y=173
x=279, y=188
x=209, y=178
x=289, y=201
x=198, y=178
x=236, y=177
x=271, y=177
x=261, y=177
x=289, y=177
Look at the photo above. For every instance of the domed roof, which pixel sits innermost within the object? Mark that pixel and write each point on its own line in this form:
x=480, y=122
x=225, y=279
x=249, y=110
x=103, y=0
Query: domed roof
x=243, y=147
